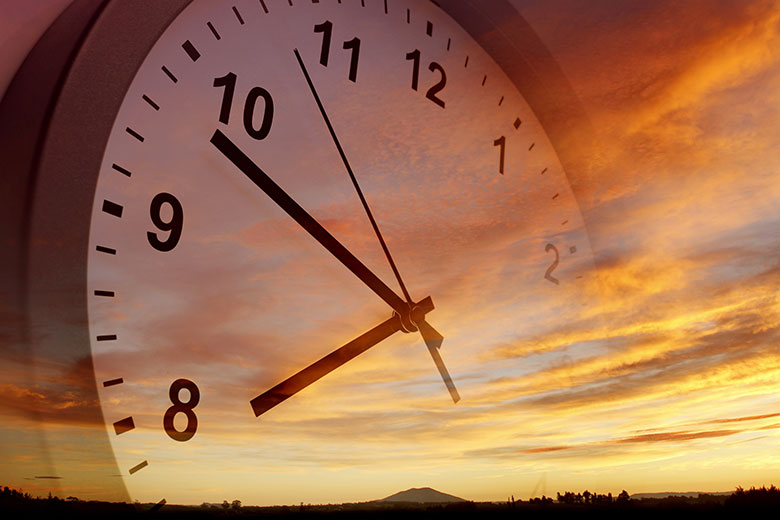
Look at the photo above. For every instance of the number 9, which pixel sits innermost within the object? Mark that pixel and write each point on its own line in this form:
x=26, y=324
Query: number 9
x=174, y=225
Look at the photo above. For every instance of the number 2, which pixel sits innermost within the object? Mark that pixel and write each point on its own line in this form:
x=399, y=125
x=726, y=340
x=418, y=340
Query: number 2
x=548, y=274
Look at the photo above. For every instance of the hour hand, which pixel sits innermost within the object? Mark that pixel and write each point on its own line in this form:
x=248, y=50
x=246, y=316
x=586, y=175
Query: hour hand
x=294, y=384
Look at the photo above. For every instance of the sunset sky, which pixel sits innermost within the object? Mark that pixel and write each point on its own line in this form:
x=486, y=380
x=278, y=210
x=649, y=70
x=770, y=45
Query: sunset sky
x=658, y=372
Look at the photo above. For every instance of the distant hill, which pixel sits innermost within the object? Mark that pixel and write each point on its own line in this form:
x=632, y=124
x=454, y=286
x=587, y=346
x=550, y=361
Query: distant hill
x=692, y=494
x=422, y=495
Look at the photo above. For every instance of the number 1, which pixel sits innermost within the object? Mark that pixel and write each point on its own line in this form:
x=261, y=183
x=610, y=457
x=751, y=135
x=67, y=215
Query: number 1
x=501, y=141
x=326, y=28
x=354, y=45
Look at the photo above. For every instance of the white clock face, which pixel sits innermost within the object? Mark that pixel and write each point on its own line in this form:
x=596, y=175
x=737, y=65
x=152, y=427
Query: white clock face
x=196, y=274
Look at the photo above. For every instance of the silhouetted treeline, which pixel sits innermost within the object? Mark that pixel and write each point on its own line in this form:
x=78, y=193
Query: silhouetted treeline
x=567, y=504
x=586, y=497
x=18, y=501
x=763, y=497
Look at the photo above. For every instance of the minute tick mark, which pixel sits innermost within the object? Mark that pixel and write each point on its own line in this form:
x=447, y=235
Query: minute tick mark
x=169, y=74
x=157, y=506
x=213, y=30
x=134, y=134
x=121, y=170
x=238, y=15
x=138, y=467
x=151, y=103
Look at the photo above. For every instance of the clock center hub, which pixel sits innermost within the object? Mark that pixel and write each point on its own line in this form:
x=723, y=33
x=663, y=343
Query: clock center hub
x=415, y=313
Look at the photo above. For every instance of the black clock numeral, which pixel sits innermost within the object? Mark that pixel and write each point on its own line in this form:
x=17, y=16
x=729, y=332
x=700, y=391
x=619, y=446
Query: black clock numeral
x=228, y=81
x=175, y=225
x=180, y=407
x=438, y=87
x=249, y=111
x=414, y=56
x=326, y=28
x=354, y=46
x=548, y=274
x=501, y=141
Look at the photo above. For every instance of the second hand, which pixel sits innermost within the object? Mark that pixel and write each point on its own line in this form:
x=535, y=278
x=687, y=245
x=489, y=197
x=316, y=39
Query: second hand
x=354, y=179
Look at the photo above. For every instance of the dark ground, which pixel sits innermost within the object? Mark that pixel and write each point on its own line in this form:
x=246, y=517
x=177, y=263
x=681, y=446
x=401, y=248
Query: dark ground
x=741, y=502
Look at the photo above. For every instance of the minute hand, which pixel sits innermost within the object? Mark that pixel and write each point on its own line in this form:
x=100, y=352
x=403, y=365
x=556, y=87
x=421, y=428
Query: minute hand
x=307, y=222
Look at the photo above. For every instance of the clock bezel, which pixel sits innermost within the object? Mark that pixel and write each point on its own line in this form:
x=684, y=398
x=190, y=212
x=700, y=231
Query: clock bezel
x=57, y=114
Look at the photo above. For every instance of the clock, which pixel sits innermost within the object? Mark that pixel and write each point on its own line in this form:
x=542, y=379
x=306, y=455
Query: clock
x=297, y=241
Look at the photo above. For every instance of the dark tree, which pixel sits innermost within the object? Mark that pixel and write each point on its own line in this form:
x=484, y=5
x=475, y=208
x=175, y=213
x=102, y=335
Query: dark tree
x=762, y=497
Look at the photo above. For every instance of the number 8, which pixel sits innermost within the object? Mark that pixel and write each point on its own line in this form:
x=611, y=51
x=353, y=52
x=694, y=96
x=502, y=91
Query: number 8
x=185, y=408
